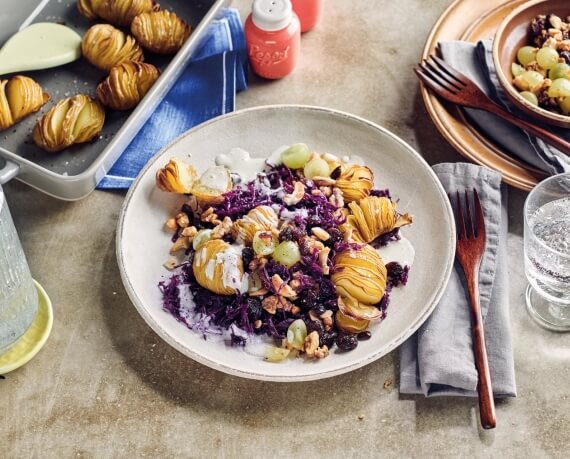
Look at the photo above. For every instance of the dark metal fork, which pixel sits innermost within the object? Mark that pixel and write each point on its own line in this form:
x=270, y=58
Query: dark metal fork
x=455, y=87
x=469, y=252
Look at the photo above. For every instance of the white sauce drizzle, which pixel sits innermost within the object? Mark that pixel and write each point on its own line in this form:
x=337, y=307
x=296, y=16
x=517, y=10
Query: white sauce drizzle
x=215, y=178
x=231, y=275
x=401, y=251
x=241, y=163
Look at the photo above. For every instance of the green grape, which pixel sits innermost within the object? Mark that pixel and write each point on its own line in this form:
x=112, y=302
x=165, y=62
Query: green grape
x=296, y=156
x=276, y=354
x=547, y=57
x=316, y=168
x=565, y=105
x=287, y=253
x=559, y=88
x=532, y=78
x=263, y=243
x=560, y=70
x=296, y=334
x=202, y=236
x=517, y=69
x=530, y=97
x=526, y=54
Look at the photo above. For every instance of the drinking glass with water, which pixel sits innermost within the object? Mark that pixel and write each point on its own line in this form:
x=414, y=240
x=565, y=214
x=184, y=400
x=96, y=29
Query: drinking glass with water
x=18, y=295
x=547, y=252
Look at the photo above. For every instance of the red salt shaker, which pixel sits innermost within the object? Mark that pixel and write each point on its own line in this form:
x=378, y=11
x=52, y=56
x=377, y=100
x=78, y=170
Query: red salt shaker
x=273, y=35
x=309, y=12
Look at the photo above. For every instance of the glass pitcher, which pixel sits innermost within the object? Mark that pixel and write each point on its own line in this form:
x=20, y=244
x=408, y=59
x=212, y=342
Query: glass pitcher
x=18, y=296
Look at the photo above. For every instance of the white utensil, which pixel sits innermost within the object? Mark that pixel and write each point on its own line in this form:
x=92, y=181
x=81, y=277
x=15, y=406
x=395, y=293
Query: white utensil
x=40, y=46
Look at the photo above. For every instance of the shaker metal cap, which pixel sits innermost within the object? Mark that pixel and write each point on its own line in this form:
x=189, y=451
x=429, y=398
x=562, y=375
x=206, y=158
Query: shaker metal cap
x=272, y=15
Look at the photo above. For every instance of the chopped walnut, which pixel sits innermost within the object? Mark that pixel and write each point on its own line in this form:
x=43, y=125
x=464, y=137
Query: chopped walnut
x=209, y=216
x=316, y=192
x=295, y=284
x=551, y=42
x=320, y=233
x=257, y=324
x=311, y=343
x=321, y=352
x=270, y=304
x=281, y=288
x=189, y=231
x=564, y=45
x=296, y=195
x=171, y=263
x=337, y=198
x=323, y=181
x=323, y=260
x=182, y=220
x=326, y=190
x=260, y=292
x=387, y=383
x=180, y=244
x=555, y=22
x=327, y=318
x=257, y=263
x=223, y=228
x=171, y=224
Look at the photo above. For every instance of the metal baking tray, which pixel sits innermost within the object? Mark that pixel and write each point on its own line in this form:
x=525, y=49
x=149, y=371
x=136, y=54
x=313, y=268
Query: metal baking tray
x=73, y=173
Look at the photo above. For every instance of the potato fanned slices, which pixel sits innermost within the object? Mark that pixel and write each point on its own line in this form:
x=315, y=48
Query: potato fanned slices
x=360, y=274
x=218, y=267
x=126, y=85
x=105, y=47
x=20, y=96
x=373, y=216
x=176, y=177
x=161, y=32
x=261, y=218
x=355, y=182
x=76, y=119
x=118, y=12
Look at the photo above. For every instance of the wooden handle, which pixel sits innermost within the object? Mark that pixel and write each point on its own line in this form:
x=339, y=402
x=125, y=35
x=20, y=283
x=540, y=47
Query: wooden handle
x=484, y=388
x=539, y=132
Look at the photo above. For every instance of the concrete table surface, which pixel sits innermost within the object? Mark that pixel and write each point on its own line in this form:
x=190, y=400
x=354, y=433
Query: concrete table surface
x=106, y=385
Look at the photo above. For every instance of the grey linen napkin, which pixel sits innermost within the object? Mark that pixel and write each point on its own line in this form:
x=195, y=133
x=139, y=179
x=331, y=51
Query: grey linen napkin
x=476, y=62
x=438, y=359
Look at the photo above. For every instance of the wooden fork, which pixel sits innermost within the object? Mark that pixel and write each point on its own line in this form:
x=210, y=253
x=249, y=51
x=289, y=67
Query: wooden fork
x=469, y=251
x=455, y=87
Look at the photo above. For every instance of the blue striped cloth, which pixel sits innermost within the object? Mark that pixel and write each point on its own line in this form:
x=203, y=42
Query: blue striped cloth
x=206, y=89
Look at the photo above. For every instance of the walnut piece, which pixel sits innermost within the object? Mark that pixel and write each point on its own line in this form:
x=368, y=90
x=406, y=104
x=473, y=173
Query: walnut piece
x=223, y=228
x=311, y=343
x=296, y=195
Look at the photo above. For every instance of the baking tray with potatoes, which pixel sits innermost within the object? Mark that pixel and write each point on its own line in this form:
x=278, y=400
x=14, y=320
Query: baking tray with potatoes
x=51, y=160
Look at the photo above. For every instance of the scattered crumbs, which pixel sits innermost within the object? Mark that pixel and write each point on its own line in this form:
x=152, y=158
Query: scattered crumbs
x=360, y=417
x=114, y=293
x=383, y=420
x=387, y=383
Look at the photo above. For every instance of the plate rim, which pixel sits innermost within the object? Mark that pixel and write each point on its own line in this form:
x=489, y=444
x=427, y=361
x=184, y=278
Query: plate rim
x=434, y=108
x=162, y=333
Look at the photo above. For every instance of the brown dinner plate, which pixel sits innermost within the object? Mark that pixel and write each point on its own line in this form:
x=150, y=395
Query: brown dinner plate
x=472, y=21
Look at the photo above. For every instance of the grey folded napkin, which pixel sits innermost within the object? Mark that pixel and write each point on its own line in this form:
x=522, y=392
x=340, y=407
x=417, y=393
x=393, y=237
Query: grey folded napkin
x=438, y=359
x=476, y=62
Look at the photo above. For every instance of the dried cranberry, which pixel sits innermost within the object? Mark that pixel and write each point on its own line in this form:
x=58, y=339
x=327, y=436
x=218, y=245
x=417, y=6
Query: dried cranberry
x=316, y=325
x=566, y=56
x=247, y=255
x=286, y=234
x=346, y=342
x=335, y=237
x=364, y=336
x=336, y=172
x=254, y=309
x=328, y=339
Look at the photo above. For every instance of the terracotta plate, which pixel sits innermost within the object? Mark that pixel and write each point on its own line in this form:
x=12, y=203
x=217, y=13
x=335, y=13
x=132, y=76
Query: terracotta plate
x=473, y=21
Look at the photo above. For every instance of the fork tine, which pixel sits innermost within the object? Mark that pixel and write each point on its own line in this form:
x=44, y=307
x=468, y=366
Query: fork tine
x=470, y=229
x=450, y=70
x=431, y=83
x=479, y=215
x=442, y=84
x=450, y=81
x=460, y=219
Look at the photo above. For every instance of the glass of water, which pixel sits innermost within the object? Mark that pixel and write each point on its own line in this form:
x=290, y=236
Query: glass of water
x=547, y=252
x=18, y=295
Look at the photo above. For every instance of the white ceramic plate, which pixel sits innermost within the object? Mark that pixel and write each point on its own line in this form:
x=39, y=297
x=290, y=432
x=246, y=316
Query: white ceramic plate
x=143, y=243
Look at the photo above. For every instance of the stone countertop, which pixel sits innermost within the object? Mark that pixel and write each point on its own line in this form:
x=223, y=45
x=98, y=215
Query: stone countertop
x=106, y=385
